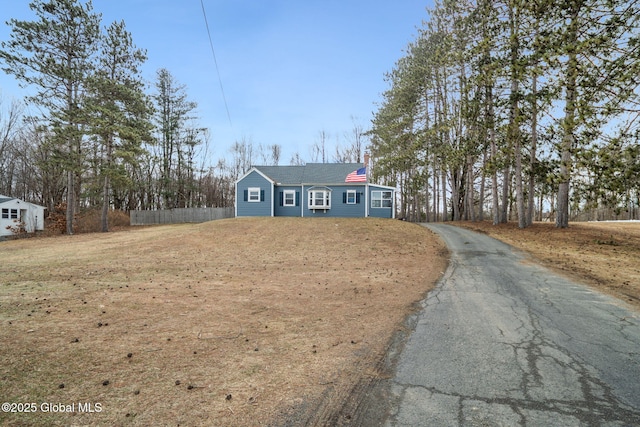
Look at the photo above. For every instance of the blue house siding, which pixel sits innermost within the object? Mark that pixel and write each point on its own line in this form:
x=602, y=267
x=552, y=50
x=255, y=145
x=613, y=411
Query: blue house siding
x=379, y=205
x=244, y=207
x=281, y=208
x=340, y=206
x=285, y=191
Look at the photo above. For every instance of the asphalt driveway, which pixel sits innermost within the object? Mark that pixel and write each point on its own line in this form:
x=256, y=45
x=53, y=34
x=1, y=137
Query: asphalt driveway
x=504, y=342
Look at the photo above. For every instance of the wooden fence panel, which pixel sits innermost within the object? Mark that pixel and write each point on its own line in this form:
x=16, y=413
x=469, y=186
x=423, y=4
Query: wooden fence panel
x=179, y=215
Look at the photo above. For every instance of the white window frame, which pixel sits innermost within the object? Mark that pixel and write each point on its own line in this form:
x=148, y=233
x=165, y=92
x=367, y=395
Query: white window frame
x=5, y=213
x=351, y=197
x=289, y=198
x=253, y=194
x=378, y=199
x=325, y=198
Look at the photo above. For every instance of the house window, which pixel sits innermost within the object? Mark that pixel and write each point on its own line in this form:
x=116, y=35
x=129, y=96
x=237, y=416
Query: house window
x=14, y=213
x=254, y=194
x=381, y=199
x=319, y=199
x=351, y=197
x=289, y=198
x=5, y=213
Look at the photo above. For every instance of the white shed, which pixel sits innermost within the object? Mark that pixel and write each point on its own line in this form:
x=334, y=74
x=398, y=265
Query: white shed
x=16, y=213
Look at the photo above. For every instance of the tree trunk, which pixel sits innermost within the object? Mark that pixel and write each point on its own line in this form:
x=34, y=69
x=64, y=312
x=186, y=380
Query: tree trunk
x=489, y=113
x=506, y=190
x=436, y=189
x=426, y=198
x=483, y=179
x=569, y=123
x=106, y=170
x=469, y=193
x=540, y=206
x=514, y=113
x=71, y=204
x=522, y=219
x=534, y=145
x=455, y=193
x=104, y=219
x=443, y=179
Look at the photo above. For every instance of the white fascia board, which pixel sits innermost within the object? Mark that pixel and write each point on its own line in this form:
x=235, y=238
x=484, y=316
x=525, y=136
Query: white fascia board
x=384, y=187
x=259, y=172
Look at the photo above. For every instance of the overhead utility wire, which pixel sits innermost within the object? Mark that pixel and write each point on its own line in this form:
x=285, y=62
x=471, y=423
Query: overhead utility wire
x=215, y=60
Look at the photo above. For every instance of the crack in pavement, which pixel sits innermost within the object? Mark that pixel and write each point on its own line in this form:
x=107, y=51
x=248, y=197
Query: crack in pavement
x=584, y=411
x=504, y=342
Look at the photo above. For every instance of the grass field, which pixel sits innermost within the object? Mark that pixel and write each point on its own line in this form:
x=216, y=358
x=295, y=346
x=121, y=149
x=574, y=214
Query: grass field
x=239, y=322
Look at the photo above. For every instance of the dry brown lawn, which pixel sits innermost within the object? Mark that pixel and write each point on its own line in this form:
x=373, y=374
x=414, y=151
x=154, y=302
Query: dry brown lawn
x=239, y=322
x=605, y=255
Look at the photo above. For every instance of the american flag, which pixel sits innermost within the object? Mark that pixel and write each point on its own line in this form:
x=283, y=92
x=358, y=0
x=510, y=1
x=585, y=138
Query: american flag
x=359, y=175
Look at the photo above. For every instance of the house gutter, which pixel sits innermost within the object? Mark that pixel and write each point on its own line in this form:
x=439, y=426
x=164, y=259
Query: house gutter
x=273, y=200
x=235, y=208
x=366, y=200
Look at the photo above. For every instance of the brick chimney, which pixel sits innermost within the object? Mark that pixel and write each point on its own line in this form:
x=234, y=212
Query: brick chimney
x=366, y=159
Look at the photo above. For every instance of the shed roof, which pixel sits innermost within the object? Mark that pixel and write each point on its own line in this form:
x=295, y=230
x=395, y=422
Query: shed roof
x=311, y=173
x=4, y=199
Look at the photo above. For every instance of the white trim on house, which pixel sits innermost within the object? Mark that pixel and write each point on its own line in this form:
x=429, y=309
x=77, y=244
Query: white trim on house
x=255, y=170
x=366, y=201
x=273, y=200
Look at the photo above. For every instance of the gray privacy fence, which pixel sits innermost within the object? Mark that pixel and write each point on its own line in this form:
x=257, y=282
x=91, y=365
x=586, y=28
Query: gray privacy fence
x=179, y=215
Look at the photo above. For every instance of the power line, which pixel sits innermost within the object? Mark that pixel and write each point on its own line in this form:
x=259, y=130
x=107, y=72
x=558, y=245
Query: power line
x=215, y=60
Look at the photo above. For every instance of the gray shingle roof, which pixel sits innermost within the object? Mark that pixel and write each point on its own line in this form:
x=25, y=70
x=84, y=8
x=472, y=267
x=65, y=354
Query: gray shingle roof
x=311, y=173
x=283, y=174
x=5, y=199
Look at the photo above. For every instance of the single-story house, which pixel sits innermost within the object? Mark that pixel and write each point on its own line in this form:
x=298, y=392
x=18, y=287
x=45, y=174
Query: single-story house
x=313, y=190
x=16, y=214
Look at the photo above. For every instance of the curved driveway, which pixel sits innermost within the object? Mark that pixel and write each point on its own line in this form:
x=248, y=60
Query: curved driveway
x=504, y=342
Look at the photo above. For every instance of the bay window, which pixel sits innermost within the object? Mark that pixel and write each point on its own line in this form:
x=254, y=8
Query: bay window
x=319, y=198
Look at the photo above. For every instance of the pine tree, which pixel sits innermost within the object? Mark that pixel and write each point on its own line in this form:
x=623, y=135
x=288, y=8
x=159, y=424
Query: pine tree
x=172, y=112
x=117, y=109
x=599, y=60
x=53, y=55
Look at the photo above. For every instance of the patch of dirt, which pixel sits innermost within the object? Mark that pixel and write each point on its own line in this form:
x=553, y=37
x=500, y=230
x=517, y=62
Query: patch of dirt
x=240, y=322
x=604, y=255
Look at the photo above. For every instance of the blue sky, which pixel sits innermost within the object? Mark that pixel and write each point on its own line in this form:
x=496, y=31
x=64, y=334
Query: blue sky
x=289, y=68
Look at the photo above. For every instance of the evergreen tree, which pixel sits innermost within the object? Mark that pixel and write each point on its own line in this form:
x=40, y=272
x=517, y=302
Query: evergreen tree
x=599, y=58
x=53, y=55
x=117, y=109
x=173, y=111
